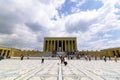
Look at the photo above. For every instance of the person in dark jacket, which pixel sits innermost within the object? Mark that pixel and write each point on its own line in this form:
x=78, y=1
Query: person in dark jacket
x=105, y=58
x=42, y=60
x=22, y=57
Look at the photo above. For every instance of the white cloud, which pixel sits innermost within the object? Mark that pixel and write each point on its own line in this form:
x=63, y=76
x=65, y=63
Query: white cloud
x=104, y=19
x=97, y=44
x=24, y=24
x=107, y=36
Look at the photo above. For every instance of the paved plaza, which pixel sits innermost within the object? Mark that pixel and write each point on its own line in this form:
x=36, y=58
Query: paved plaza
x=15, y=69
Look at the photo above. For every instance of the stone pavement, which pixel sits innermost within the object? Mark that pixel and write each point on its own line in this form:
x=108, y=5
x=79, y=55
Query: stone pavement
x=54, y=70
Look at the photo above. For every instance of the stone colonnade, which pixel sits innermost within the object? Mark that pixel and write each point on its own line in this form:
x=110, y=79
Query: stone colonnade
x=5, y=52
x=60, y=44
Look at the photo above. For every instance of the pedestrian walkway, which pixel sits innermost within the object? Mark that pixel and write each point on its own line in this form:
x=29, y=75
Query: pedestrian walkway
x=54, y=70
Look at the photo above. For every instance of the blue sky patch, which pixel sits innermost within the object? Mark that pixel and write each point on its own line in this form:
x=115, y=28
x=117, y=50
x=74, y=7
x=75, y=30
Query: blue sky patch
x=118, y=12
x=114, y=33
x=66, y=8
x=90, y=5
x=117, y=6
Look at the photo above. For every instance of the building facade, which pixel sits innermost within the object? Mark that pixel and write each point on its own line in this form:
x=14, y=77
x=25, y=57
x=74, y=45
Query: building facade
x=109, y=52
x=5, y=52
x=112, y=52
x=60, y=44
x=13, y=52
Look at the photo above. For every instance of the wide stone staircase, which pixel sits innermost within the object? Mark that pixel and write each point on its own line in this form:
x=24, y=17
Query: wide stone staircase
x=47, y=54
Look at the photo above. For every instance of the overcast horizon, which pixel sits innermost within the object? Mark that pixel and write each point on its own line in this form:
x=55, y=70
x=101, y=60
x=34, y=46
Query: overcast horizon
x=25, y=23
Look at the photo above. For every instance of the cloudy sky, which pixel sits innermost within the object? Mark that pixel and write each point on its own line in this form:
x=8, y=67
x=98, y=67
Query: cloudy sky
x=25, y=23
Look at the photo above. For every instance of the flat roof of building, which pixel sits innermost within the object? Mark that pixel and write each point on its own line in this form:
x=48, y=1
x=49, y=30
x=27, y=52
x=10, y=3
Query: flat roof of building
x=59, y=38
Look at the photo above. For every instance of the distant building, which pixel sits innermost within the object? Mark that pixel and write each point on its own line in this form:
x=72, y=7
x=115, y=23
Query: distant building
x=109, y=52
x=112, y=51
x=7, y=52
x=13, y=52
x=60, y=44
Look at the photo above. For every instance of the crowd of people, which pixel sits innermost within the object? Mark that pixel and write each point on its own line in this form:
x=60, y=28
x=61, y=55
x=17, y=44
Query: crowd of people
x=73, y=55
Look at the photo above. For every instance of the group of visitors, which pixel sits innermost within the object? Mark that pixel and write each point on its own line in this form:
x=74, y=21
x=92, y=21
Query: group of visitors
x=88, y=58
x=64, y=58
x=115, y=58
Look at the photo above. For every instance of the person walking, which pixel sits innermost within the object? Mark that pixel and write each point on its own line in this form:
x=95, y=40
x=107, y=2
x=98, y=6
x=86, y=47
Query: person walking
x=28, y=56
x=115, y=58
x=65, y=61
x=86, y=57
x=62, y=59
x=105, y=58
x=42, y=61
x=22, y=57
x=89, y=57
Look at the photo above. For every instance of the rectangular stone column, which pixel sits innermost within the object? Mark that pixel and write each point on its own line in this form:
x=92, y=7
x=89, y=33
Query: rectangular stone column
x=57, y=45
x=72, y=45
x=44, y=46
x=62, y=45
x=51, y=45
x=6, y=53
x=75, y=46
x=2, y=51
x=48, y=46
x=69, y=45
x=54, y=45
x=66, y=45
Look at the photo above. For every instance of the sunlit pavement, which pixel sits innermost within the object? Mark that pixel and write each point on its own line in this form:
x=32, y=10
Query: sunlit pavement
x=12, y=69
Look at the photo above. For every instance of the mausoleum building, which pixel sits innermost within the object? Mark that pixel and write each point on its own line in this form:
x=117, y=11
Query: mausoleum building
x=60, y=44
